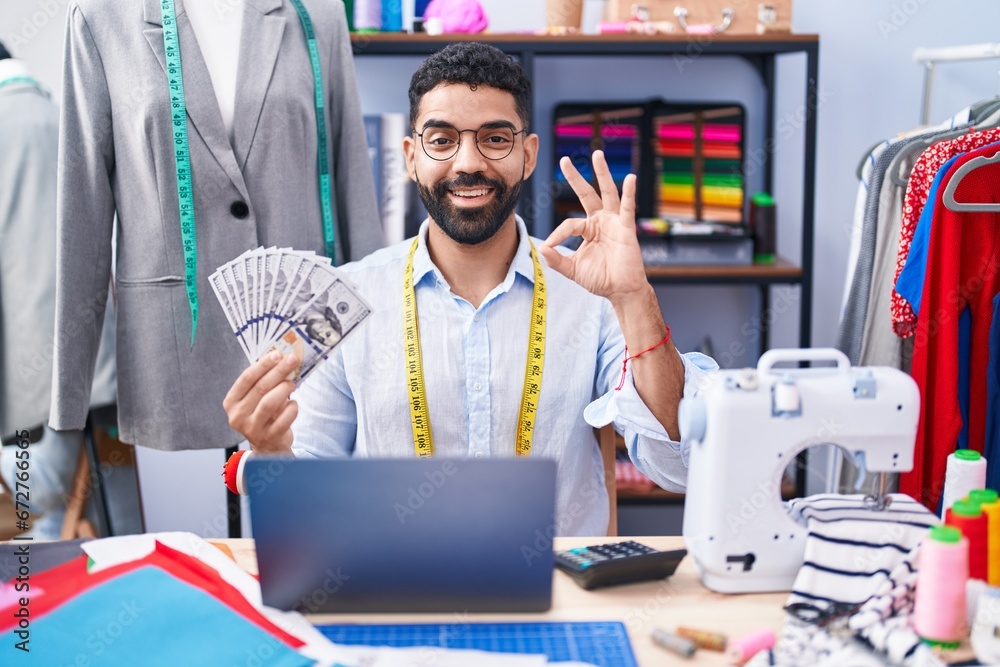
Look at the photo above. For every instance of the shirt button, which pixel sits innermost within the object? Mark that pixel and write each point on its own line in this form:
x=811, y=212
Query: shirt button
x=477, y=386
x=475, y=318
x=239, y=209
x=479, y=455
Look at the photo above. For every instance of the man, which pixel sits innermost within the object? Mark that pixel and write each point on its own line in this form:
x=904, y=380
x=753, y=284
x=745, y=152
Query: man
x=455, y=345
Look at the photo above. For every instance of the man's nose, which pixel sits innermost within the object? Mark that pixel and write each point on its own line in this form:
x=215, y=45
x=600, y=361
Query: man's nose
x=468, y=159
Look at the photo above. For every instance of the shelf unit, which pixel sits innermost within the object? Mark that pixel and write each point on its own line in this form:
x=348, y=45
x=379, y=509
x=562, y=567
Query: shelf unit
x=760, y=51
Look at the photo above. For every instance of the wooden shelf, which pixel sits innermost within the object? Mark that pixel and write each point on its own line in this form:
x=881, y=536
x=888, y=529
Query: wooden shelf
x=363, y=38
x=781, y=272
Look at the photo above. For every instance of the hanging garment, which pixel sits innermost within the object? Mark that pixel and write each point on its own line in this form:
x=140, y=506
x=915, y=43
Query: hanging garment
x=29, y=135
x=853, y=322
x=117, y=157
x=991, y=449
x=921, y=178
x=962, y=271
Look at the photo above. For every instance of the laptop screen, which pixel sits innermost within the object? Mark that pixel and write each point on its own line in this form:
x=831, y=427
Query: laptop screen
x=403, y=535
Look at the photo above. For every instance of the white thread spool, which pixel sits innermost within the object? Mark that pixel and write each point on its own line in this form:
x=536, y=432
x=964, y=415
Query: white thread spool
x=966, y=470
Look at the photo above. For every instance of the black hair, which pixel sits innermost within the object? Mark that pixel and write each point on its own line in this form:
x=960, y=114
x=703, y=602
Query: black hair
x=4, y=53
x=474, y=64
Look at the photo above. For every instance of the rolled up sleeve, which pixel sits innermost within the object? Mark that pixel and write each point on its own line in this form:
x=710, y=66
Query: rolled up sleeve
x=654, y=453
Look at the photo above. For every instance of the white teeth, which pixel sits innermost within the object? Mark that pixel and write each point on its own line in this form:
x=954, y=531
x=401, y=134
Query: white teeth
x=469, y=193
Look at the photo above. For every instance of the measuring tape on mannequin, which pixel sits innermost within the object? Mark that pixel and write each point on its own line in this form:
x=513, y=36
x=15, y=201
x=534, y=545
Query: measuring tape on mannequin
x=182, y=150
x=423, y=442
x=25, y=80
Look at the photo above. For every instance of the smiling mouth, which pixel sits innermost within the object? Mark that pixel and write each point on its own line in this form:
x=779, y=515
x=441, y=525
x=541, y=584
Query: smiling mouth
x=471, y=193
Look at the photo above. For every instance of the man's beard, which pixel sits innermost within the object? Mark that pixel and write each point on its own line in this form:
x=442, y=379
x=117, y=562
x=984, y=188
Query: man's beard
x=470, y=226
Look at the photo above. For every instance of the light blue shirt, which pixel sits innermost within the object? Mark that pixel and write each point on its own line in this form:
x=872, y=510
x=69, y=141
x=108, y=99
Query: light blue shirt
x=356, y=403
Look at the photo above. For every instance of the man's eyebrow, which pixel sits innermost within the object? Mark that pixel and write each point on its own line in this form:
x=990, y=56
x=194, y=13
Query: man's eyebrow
x=491, y=125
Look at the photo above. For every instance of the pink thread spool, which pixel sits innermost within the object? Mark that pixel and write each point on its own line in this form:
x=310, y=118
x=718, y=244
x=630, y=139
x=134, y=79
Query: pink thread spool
x=741, y=650
x=939, y=613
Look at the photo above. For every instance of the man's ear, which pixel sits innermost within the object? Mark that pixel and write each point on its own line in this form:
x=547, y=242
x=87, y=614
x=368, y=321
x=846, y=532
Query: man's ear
x=530, y=154
x=410, y=152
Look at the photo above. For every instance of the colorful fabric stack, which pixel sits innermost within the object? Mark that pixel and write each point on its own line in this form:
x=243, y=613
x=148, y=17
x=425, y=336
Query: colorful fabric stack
x=619, y=143
x=153, y=600
x=700, y=167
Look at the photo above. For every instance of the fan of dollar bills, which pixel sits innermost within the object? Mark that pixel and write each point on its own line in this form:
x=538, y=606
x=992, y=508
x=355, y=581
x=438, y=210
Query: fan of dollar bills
x=288, y=300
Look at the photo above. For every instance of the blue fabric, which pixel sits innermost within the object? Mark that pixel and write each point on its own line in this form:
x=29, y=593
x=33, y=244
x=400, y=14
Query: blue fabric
x=991, y=449
x=910, y=284
x=356, y=404
x=147, y=617
x=964, y=376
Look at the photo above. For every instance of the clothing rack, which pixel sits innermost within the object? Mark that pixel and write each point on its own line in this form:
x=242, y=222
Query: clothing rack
x=929, y=58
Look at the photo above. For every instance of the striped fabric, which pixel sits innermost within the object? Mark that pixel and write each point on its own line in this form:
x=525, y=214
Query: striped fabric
x=853, y=598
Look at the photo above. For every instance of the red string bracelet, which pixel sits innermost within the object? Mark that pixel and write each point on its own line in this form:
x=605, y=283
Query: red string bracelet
x=635, y=356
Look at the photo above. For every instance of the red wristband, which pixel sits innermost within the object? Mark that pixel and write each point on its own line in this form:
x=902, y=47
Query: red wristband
x=230, y=471
x=621, y=383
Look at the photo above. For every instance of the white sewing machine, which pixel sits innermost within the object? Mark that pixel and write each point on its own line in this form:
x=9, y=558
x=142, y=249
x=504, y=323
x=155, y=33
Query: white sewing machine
x=746, y=426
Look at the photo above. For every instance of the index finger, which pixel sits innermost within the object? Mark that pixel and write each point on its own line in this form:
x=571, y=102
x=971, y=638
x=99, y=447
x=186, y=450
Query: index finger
x=588, y=196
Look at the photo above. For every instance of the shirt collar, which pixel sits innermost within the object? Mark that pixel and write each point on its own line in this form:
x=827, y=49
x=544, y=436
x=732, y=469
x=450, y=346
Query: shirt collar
x=522, y=264
x=11, y=68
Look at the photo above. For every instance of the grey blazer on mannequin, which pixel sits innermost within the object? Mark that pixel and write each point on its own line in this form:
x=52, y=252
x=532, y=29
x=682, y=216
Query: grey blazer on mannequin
x=116, y=157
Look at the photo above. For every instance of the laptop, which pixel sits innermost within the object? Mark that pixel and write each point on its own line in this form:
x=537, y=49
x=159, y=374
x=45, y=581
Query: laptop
x=404, y=535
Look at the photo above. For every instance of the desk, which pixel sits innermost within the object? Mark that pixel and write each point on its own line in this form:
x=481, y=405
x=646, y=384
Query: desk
x=679, y=600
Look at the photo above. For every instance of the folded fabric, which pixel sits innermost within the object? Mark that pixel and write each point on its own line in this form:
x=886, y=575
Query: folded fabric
x=851, y=549
x=149, y=617
x=853, y=597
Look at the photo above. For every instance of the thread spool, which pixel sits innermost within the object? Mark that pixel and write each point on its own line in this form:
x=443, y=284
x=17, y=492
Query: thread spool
x=989, y=502
x=739, y=651
x=939, y=609
x=712, y=641
x=673, y=643
x=969, y=518
x=966, y=470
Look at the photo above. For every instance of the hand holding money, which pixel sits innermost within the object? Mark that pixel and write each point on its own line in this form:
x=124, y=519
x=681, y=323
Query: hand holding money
x=259, y=407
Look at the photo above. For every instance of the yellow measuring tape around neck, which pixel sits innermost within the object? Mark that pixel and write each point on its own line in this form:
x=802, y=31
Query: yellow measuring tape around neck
x=423, y=442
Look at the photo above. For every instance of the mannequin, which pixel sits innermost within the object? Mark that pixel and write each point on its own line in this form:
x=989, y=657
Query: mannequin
x=255, y=182
x=217, y=26
x=28, y=142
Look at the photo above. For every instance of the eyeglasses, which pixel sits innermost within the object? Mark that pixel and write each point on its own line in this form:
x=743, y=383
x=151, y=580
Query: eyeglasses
x=441, y=142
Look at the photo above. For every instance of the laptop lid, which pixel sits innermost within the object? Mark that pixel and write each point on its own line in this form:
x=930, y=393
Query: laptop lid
x=404, y=535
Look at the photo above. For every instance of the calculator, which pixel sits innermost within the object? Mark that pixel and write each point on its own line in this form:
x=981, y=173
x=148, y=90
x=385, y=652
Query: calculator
x=619, y=563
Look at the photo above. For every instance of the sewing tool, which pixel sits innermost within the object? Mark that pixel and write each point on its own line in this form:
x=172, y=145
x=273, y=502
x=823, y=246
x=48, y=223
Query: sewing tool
x=966, y=470
x=746, y=426
x=741, y=650
x=939, y=609
x=674, y=643
x=713, y=641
